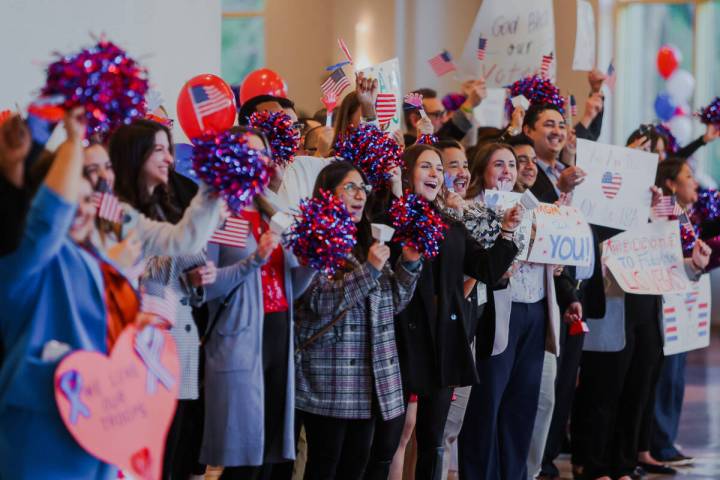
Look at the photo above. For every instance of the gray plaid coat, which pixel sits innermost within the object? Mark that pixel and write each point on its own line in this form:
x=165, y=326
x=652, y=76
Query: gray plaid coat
x=337, y=375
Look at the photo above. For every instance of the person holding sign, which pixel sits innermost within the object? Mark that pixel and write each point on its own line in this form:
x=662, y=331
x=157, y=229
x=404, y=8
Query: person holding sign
x=46, y=316
x=348, y=379
x=493, y=441
x=434, y=337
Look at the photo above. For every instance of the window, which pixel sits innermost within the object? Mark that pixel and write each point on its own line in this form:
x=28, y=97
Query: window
x=243, y=38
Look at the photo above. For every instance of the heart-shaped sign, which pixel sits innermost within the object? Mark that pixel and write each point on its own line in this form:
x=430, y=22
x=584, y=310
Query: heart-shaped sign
x=119, y=408
x=610, y=184
x=385, y=107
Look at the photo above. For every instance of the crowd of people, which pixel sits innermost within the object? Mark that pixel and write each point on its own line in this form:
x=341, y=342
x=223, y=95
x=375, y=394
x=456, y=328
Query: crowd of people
x=399, y=364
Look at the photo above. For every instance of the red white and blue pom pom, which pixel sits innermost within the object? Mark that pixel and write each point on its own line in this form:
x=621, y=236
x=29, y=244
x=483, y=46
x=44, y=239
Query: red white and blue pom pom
x=279, y=129
x=104, y=80
x=427, y=139
x=323, y=234
x=371, y=150
x=537, y=90
x=711, y=113
x=417, y=224
x=231, y=167
x=672, y=143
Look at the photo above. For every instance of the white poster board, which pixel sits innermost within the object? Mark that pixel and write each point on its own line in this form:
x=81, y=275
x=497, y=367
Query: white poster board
x=648, y=260
x=388, y=77
x=562, y=237
x=491, y=111
x=518, y=33
x=500, y=201
x=584, y=57
x=616, y=192
x=686, y=318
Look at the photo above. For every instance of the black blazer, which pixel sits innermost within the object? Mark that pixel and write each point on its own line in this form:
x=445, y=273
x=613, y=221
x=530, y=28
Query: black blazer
x=433, y=333
x=543, y=188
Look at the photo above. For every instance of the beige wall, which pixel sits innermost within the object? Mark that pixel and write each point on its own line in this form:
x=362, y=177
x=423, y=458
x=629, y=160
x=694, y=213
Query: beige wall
x=302, y=40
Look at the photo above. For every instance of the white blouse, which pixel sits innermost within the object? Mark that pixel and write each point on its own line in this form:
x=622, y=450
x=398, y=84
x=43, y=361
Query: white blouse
x=527, y=282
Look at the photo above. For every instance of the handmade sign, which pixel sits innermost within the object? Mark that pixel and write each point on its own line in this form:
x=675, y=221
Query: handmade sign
x=388, y=76
x=562, y=237
x=518, y=33
x=584, y=57
x=616, y=192
x=491, y=111
x=119, y=408
x=648, y=259
x=500, y=201
x=686, y=318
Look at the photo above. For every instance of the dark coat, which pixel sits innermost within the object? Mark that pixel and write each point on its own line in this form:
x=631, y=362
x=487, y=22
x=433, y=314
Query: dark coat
x=433, y=333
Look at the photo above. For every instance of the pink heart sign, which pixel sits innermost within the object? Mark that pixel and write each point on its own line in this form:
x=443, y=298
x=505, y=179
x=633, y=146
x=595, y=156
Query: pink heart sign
x=119, y=408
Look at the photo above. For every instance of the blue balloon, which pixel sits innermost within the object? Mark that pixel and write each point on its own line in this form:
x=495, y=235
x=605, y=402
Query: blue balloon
x=183, y=160
x=664, y=107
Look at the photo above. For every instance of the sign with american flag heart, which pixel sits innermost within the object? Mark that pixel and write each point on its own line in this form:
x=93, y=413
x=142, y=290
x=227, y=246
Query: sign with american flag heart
x=616, y=190
x=686, y=318
x=388, y=76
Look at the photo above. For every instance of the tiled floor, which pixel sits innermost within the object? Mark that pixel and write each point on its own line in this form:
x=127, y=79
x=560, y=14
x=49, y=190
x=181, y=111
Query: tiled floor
x=700, y=423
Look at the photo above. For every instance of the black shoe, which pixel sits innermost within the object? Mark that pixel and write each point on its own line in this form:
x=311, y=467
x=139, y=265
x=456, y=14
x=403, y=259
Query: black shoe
x=678, y=460
x=638, y=473
x=658, y=469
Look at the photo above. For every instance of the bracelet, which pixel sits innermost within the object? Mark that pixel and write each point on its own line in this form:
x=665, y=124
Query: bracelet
x=369, y=119
x=466, y=109
x=507, y=231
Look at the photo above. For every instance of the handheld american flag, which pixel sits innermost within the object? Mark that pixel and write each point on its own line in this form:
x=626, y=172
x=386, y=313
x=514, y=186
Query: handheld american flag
x=547, y=61
x=413, y=101
x=667, y=207
x=336, y=83
x=233, y=234
x=345, y=50
x=442, y=63
x=611, y=76
x=108, y=206
x=206, y=100
x=482, y=45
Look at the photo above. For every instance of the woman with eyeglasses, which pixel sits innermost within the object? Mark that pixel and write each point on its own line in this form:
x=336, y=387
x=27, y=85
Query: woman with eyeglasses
x=348, y=376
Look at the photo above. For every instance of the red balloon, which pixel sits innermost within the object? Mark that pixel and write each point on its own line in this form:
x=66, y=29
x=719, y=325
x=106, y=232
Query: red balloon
x=206, y=104
x=262, y=82
x=668, y=59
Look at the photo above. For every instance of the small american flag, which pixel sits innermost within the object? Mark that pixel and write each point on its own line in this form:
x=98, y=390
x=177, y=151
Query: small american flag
x=345, y=50
x=611, y=76
x=206, y=100
x=573, y=106
x=442, y=63
x=163, y=307
x=108, y=206
x=686, y=224
x=547, y=61
x=336, y=83
x=667, y=207
x=610, y=184
x=233, y=234
x=385, y=107
x=482, y=45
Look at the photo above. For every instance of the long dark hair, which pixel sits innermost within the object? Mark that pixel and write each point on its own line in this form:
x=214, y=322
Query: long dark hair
x=410, y=158
x=480, y=162
x=328, y=179
x=130, y=147
x=341, y=118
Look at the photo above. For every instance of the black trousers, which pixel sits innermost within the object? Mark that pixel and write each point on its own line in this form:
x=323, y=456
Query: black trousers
x=182, y=446
x=337, y=447
x=614, y=390
x=565, y=383
x=276, y=331
x=384, y=445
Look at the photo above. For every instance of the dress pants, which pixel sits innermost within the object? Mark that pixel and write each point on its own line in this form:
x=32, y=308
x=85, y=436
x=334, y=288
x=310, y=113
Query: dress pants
x=613, y=391
x=568, y=364
x=543, y=418
x=669, y=396
x=495, y=437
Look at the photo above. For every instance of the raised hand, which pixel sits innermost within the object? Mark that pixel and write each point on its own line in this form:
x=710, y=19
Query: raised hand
x=267, y=243
x=378, y=255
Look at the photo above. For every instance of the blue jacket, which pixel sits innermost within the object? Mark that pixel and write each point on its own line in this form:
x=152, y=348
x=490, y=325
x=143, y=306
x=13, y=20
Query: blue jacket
x=50, y=289
x=234, y=390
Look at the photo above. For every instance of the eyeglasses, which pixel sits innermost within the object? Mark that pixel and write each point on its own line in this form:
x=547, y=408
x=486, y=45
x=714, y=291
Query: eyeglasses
x=436, y=115
x=353, y=189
